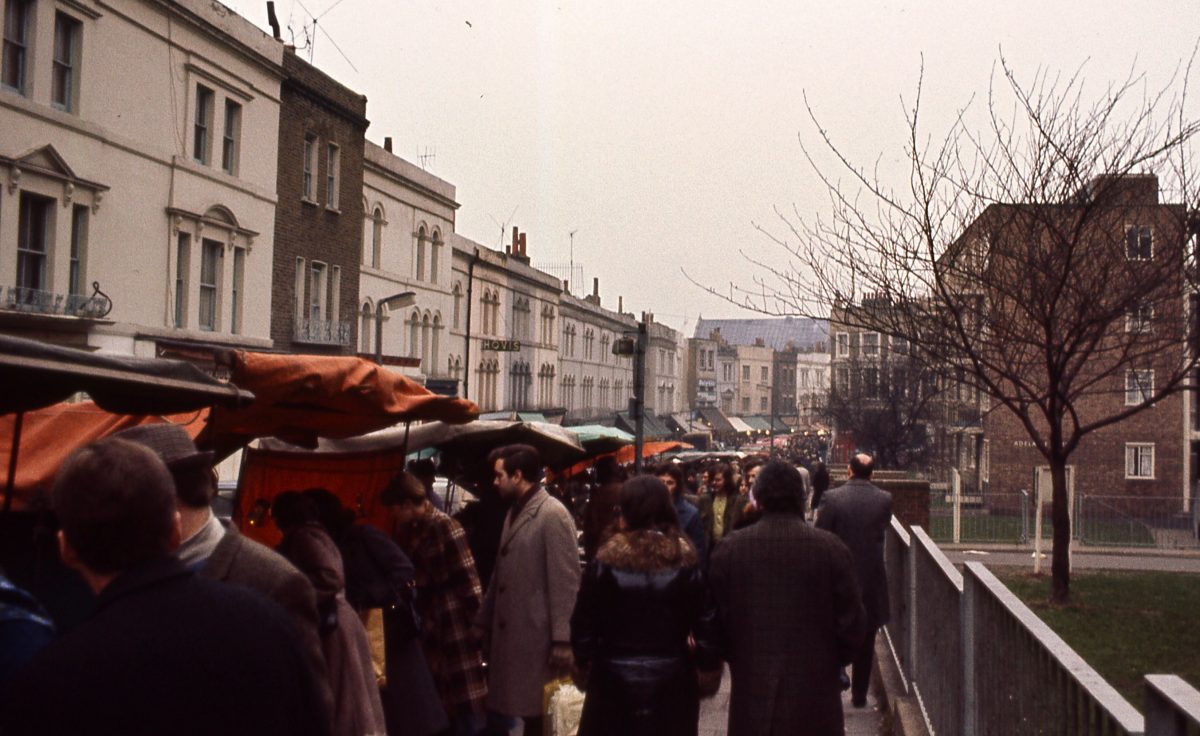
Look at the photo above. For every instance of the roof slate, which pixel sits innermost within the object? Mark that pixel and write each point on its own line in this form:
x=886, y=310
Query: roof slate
x=802, y=332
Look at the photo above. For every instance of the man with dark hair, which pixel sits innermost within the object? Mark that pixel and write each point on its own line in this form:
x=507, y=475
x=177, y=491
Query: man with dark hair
x=425, y=471
x=527, y=610
x=859, y=513
x=689, y=517
x=789, y=611
x=164, y=651
x=215, y=549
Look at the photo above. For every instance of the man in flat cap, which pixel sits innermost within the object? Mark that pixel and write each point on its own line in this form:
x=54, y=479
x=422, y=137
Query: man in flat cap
x=789, y=611
x=215, y=549
x=165, y=651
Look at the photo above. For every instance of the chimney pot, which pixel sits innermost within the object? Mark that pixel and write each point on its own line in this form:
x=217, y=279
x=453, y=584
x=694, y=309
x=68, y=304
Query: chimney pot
x=566, y=286
x=515, y=240
x=595, y=287
x=620, y=305
x=523, y=244
x=387, y=144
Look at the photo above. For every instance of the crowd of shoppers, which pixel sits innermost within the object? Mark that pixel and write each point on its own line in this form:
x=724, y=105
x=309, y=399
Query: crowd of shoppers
x=198, y=629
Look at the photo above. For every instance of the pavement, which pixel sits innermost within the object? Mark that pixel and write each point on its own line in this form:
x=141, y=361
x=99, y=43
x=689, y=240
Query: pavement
x=714, y=713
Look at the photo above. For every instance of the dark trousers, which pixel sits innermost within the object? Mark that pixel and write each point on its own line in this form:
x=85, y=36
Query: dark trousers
x=862, y=664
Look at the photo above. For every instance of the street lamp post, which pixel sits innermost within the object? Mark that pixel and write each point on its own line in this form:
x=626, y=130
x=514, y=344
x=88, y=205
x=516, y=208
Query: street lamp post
x=395, y=301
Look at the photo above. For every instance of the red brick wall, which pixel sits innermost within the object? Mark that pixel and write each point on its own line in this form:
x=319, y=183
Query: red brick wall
x=314, y=104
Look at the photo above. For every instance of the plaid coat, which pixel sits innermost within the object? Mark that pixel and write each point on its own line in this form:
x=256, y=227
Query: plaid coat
x=448, y=599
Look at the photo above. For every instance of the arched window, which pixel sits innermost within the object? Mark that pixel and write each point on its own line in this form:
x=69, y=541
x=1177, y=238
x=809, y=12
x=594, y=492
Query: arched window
x=364, y=333
x=435, y=245
x=377, y=237
x=436, y=339
x=414, y=335
x=426, y=342
x=457, y=304
x=419, y=273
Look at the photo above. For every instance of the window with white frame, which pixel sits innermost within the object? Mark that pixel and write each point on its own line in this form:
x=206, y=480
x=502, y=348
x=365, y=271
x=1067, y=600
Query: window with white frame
x=1140, y=318
x=183, y=257
x=317, y=287
x=17, y=20
x=745, y=374
x=870, y=344
x=435, y=247
x=843, y=344
x=210, y=283
x=202, y=125
x=230, y=149
x=237, y=291
x=1139, y=460
x=33, y=241
x=333, y=166
x=1139, y=386
x=63, y=83
x=419, y=256
x=309, y=182
x=301, y=277
x=899, y=345
x=766, y=374
x=1139, y=243
x=76, y=278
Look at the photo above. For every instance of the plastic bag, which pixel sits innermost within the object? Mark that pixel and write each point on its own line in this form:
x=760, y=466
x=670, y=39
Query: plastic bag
x=562, y=704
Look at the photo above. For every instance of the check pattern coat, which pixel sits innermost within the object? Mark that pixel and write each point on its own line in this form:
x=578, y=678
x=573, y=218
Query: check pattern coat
x=448, y=599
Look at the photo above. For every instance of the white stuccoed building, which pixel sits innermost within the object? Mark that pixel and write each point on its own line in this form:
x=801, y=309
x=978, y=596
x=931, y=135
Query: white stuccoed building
x=139, y=151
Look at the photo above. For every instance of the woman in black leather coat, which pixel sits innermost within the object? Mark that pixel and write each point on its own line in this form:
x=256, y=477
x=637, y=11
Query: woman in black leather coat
x=640, y=601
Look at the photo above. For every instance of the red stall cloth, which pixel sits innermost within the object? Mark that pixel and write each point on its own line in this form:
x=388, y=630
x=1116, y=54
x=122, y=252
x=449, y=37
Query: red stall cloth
x=50, y=435
x=300, y=398
x=356, y=478
x=625, y=455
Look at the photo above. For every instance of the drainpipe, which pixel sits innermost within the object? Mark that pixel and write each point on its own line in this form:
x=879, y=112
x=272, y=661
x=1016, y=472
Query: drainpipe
x=470, y=301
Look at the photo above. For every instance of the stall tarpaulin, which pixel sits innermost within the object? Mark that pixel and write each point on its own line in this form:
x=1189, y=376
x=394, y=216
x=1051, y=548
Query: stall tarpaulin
x=625, y=455
x=51, y=434
x=355, y=478
x=300, y=398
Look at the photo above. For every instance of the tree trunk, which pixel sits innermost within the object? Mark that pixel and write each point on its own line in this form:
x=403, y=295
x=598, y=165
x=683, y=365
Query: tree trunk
x=1060, y=514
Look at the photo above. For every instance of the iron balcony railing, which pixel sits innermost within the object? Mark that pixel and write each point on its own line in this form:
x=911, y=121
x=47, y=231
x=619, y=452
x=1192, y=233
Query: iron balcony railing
x=324, y=332
x=37, y=301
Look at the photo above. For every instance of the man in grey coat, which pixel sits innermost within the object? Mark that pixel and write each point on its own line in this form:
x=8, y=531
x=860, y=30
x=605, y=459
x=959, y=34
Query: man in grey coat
x=859, y=513
x=789, y=613
x=215, y=550
x=526, y=614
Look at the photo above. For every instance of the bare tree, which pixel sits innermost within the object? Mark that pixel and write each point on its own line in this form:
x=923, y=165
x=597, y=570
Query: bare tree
x=1029, y=258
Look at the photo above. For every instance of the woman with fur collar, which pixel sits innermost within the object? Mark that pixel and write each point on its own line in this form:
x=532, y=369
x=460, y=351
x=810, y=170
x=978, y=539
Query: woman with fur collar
x=640, y=600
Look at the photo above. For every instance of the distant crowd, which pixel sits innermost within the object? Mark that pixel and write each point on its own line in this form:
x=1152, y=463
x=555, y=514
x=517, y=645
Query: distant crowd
x=451, y=625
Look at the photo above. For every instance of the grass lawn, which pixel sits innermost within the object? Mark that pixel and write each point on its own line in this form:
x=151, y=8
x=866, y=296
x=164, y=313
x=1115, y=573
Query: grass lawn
x=1125, y=624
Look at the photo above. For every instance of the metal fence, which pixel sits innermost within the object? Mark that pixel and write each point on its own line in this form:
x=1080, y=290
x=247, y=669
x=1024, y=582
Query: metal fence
x=1097, y=521
x=978, y=661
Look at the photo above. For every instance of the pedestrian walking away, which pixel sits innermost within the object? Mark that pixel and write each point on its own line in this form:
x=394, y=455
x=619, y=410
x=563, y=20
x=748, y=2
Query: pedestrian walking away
x=858, y=512
x=789, y=612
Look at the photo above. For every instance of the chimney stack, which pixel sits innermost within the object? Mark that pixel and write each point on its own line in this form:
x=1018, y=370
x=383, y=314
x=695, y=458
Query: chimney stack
x=620, y=305
x=566, y=286
x=274, y=21
x=387, y=144
x=596, y=287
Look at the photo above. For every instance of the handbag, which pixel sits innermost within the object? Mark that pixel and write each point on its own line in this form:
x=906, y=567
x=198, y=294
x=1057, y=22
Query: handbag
x=384, y=589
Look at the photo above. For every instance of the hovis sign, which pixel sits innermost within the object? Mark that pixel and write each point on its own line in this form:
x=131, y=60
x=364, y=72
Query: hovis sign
x=502, y=346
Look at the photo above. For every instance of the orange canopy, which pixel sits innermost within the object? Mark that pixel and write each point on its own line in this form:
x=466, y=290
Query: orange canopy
x=299, y=398
x=355, y=478
x=50, y=435
x=626, y=455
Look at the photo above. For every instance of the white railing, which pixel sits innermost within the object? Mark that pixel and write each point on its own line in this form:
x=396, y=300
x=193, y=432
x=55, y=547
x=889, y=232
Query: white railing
x=979, y=661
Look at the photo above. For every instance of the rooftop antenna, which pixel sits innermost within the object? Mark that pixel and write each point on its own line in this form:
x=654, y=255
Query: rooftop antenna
x=427, y=157
x=571, y=264
x=313, y=41
x=503, y=226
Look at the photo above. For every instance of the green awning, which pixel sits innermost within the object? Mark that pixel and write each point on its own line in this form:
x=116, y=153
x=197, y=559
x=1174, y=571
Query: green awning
x=530, y=416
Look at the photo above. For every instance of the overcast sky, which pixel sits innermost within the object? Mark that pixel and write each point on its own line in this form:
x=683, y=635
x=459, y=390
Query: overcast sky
x=661, y=131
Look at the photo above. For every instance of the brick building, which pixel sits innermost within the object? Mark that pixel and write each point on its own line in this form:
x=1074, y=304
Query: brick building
x=1148, y=454
x=319, y=213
